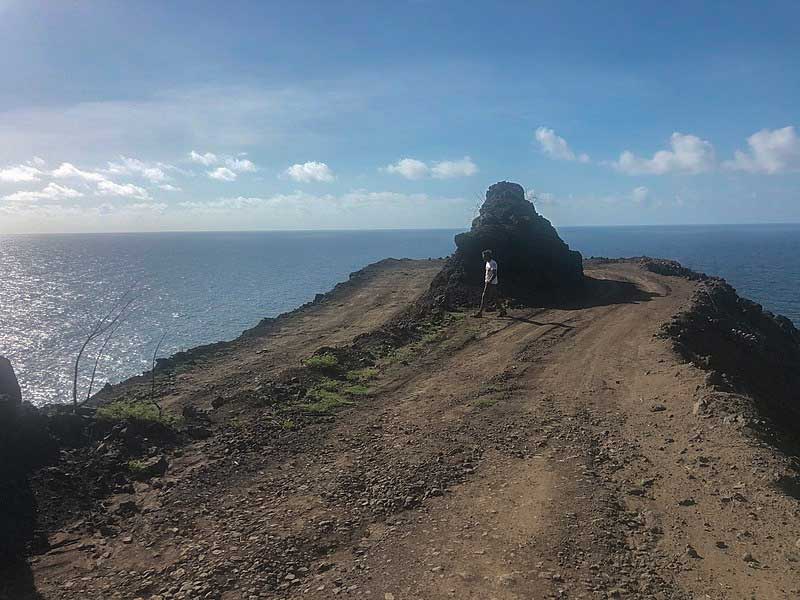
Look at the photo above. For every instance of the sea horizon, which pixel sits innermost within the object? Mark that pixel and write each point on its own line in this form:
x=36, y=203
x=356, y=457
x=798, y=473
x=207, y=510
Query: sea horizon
x=336, y=229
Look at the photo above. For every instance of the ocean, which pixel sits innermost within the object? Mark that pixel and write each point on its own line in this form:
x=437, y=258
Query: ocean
x=196, y=288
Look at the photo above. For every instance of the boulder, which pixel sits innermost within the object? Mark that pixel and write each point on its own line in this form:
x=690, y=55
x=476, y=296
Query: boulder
x=10, y=394
x=531, y=256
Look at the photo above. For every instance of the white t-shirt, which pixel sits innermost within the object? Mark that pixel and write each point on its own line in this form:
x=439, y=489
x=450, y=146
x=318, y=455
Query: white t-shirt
x=491, y=266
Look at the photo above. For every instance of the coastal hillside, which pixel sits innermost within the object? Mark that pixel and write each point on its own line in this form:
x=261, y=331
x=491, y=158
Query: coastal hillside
x=341, y=450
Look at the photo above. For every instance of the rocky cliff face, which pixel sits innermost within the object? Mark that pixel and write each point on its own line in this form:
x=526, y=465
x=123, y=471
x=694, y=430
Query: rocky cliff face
x=17, y=508
x=531, y=256
x=10, y=395
x=745, y=347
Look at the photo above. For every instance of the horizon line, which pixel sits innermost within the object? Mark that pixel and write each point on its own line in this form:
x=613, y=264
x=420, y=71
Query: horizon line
x=331, y=230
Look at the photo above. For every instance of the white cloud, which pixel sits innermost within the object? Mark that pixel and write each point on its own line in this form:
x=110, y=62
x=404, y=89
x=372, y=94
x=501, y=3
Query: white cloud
x=209, y=159
x=769, y=152
x=448, y=169
x=222, y=174
x=157, y=207
x=321, y=206
x=557, y=147
x=127, y=190
x=410, y=168
x=169, y=188
x=310, y=171
x=153, y=172
x=19, y=174
x=688, y=154
x=206, y=159
x=52, y=191
x=240, y=165
x=228, y=172
x=37, y=162
x=68, y=170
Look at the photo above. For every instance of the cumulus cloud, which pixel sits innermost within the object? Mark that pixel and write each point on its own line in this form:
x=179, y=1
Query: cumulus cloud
x=310, y=171
x=208, y=159
x=240, y=165
x=168, y=187
x=688, y=154
x=52, y=191
x=127, y=190
x=153, y=172
x=448, y=169
x=20, y=174
x=68, y=170
x=556, y=146
x=411, y=168
x=770, y=152
x=229, y=166
x=222, y=174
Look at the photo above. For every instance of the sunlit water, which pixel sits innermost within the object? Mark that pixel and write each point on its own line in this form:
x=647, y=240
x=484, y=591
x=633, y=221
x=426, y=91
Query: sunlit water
x=204, y=287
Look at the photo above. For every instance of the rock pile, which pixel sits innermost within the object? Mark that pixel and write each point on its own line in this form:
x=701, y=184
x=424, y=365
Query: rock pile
x=531, y=256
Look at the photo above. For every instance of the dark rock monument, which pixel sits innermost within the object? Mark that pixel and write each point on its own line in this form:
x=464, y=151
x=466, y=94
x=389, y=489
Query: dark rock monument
x=531, y=256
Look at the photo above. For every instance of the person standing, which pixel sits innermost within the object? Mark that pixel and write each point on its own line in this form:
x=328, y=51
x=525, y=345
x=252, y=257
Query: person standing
x=491, y=292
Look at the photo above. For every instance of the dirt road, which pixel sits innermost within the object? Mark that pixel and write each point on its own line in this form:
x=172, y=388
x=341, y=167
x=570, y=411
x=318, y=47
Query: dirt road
x=557, y=453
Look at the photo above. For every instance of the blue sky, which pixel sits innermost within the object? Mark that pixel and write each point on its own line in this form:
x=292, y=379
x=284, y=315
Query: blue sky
x=125, y=116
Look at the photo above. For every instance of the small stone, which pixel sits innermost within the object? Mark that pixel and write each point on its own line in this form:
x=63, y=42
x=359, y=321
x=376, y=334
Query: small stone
x=691, y=552
x=722, y=545
x=747, y=557
x=127, y=539
x=658, y=408
x=687, y=502
x=388, y=596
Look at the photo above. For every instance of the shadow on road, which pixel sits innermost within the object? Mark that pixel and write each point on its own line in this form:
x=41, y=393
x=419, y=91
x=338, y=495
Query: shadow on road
x=594, y=293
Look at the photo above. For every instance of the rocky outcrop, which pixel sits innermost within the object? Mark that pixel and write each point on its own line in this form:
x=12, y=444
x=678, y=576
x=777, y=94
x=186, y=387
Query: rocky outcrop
x=749, y=349
x=17, y=507
x=10, y=394
x=531, y=256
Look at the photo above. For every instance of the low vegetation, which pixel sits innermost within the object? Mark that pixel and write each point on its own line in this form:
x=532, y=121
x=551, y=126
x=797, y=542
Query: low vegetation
x=129, y=410
x=322, y=361
x=324, y=401
x=137, y=466
x=362, y=375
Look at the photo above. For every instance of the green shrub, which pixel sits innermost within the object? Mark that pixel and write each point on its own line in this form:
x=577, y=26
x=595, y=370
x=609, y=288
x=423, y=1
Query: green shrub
x=357, y=390
x=331, y=385
x=288, y=425
x=324, y=401
x=128, y=410
x=137, y=466
x=322, y=361
x=362, y=375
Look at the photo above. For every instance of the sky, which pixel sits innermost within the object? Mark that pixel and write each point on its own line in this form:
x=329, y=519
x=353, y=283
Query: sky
x=164, y=116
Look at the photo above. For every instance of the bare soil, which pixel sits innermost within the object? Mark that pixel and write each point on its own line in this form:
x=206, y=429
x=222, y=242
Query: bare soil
x=558, y=453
